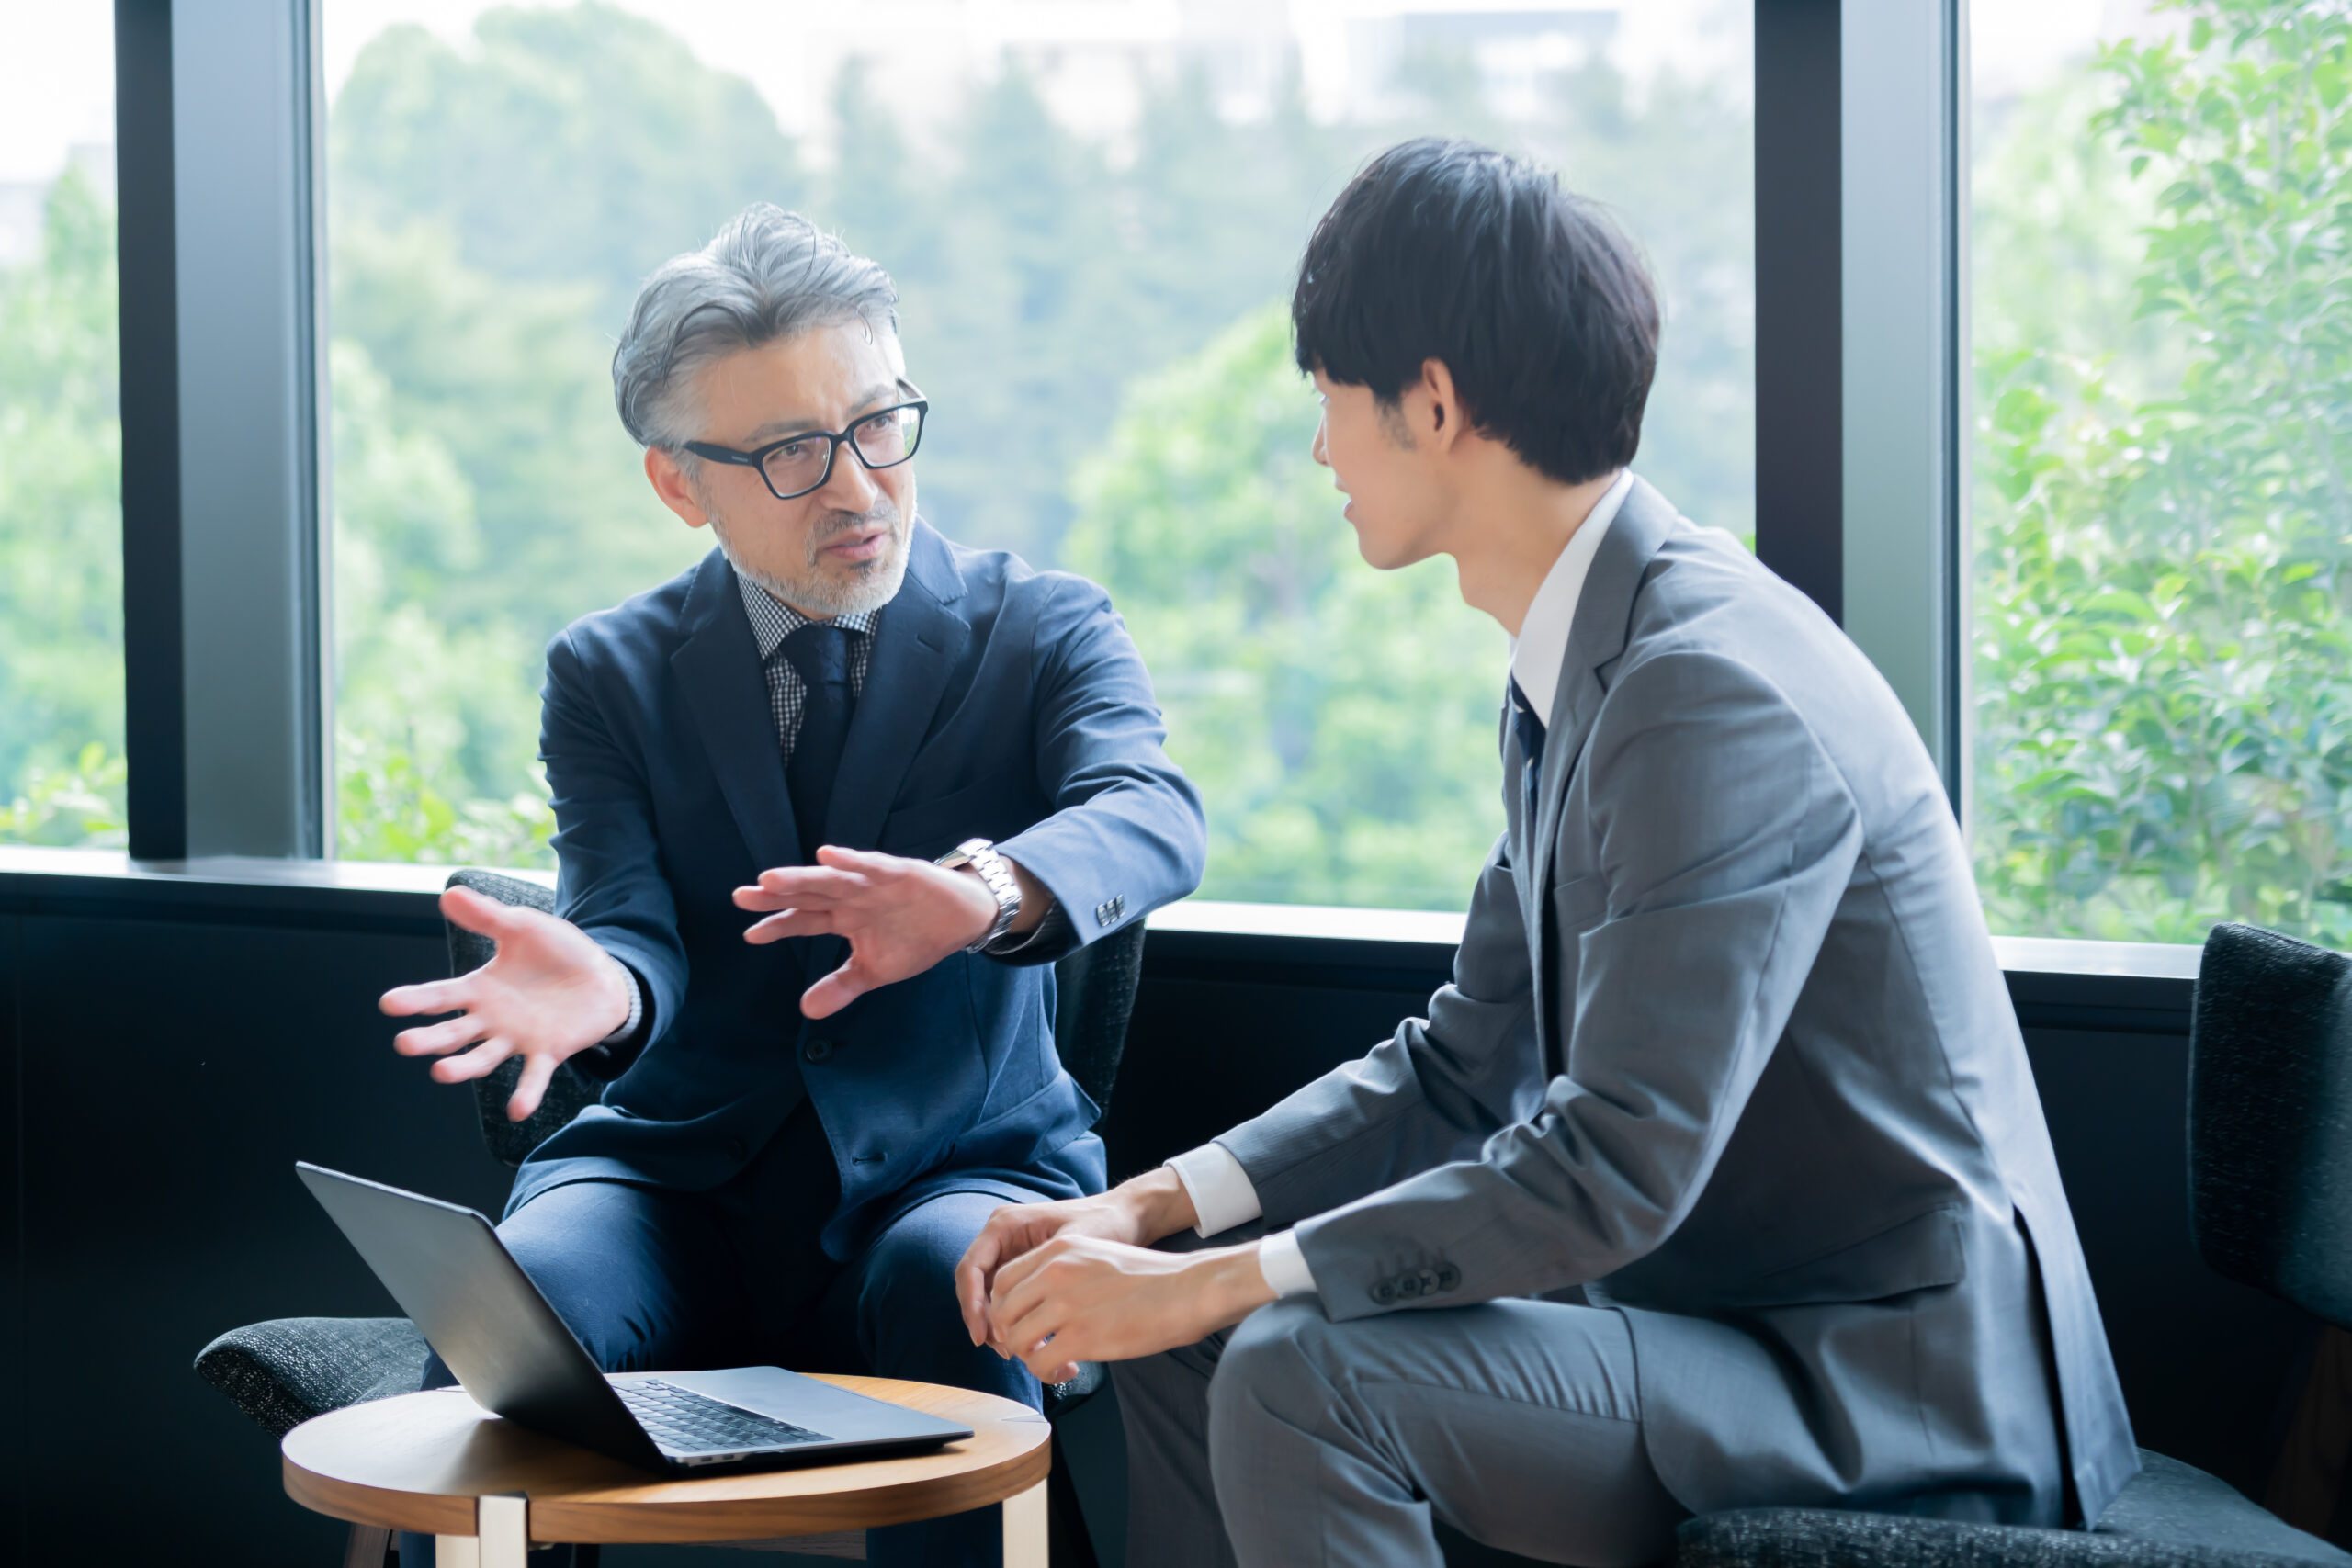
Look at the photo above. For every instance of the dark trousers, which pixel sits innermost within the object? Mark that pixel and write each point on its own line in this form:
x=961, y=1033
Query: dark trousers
x=683, y=1281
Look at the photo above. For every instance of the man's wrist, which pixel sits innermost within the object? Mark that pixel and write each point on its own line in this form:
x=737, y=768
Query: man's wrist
x=632, y=1000
x=1159, y=1202
x=977, y=898
x=1232, y=1285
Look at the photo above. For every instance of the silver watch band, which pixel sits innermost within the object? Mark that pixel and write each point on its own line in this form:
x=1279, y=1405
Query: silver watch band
x=997, y=875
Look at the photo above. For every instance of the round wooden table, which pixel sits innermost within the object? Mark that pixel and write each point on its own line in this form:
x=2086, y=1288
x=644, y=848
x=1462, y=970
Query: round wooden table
x=439, y=1464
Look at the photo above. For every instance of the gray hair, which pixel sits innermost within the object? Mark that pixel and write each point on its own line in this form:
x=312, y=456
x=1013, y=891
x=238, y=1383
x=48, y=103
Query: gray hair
x=768, y=275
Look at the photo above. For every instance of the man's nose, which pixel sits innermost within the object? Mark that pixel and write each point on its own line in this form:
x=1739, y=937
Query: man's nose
x=849, y=488
x=1321, y=454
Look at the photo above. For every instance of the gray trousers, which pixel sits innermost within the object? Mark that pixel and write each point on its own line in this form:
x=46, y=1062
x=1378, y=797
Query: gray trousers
x=1291, y=1440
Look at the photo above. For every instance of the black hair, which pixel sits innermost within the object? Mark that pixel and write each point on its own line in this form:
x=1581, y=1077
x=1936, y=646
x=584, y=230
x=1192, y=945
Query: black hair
x=1531, y=297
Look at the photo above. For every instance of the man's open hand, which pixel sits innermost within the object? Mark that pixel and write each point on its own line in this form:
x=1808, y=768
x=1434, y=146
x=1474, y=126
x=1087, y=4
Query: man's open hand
x=900, y=916
x=548, y=993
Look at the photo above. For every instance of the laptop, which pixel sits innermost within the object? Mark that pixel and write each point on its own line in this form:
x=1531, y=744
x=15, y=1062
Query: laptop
x=480, y=1312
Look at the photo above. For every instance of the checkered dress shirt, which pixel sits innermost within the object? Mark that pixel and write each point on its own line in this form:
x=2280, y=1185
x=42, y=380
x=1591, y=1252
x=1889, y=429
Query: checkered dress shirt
x=773, y=620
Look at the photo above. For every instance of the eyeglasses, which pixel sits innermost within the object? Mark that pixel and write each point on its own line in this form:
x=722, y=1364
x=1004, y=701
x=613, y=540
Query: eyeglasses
x=798, y=464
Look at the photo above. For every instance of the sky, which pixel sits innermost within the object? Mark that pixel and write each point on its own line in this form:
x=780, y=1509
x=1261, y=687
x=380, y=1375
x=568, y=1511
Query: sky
x=57, y=82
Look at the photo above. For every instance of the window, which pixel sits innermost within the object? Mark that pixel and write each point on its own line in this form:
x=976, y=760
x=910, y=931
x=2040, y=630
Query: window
x=2162, y=695
x=1091, y=212
x=61, y=774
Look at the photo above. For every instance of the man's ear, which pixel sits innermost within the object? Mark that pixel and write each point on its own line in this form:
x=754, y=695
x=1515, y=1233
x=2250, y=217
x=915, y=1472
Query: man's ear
x=1440, y=418
x=677, y=491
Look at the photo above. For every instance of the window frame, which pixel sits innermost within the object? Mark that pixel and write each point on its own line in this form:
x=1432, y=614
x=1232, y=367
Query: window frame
x=224, y=602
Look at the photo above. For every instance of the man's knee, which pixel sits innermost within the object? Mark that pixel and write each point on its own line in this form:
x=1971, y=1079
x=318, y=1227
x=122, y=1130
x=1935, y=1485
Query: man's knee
x=910, y=1323
x=908, y=1273
x=601, y=1253
x=1268, y=1371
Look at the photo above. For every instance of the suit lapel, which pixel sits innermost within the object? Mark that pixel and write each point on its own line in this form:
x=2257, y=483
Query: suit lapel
x=718, y=666
x=1597, y=635
x=916, y=648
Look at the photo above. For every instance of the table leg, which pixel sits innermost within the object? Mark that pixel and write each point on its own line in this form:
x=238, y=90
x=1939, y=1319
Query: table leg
x=1024, y=1529
x=503, y=1537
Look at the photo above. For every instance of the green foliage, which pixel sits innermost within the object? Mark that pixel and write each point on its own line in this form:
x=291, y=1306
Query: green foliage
x=388, y=809
x=61, y=516
x=494, y=204
x=79, y=804
x=2164, y=703
x=1341, y=721
x=577, y=145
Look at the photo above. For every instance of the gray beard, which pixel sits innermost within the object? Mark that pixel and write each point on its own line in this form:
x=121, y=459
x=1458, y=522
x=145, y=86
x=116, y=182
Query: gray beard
x=875, y=586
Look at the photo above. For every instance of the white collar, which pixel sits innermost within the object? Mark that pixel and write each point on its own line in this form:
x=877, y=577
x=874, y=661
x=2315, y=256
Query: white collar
x=1543, y=642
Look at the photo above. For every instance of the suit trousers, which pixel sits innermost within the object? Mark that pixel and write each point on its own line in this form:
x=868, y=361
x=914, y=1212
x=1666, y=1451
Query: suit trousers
x=650, y=1278
x=1291, y=1440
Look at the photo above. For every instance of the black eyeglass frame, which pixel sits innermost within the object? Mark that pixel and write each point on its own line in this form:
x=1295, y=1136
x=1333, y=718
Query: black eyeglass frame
x=835, y=440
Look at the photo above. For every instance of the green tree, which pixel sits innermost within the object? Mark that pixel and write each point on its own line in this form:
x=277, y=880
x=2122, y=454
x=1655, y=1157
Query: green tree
x=2163, y=701
x=1339, y=721
x=1044, y=275
x=60, y=531
x=580, y=144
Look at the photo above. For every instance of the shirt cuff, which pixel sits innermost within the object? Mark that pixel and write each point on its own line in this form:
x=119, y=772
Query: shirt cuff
x=1220, y=1190
x=636, y=1006
x=1284, y=1266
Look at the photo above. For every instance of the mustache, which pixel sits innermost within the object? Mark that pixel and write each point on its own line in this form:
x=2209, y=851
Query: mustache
x=833, y=525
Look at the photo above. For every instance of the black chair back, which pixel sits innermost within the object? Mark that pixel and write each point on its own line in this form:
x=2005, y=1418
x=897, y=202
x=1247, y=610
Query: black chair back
x=2270, y=1117
x=1097, y=996
x=1097, y=986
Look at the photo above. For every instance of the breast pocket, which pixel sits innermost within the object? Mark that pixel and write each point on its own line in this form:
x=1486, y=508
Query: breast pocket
x=996, y=806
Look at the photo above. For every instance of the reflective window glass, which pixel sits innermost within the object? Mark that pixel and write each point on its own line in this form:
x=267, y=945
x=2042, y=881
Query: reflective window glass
x=2163, y=522
x=1091, y=212
x=61, y=771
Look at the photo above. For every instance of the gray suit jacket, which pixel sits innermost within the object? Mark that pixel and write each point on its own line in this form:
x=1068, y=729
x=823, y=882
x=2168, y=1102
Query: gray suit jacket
x=1727, y=1045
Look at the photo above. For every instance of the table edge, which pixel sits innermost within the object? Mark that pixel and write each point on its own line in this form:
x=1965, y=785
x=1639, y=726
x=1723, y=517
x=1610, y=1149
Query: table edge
x=600, y=1519
x=683, y=1521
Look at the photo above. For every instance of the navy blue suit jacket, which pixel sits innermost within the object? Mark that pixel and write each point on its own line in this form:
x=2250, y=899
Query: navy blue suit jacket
x=1000, y=702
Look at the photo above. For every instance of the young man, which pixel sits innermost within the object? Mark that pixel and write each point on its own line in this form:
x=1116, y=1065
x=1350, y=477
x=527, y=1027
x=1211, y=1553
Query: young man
x=925, y=771
x=1717, y=1176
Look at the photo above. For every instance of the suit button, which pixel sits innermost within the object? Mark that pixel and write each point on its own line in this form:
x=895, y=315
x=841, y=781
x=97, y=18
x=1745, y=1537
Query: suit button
x=737, y=1151
x=1449, y=1277
x=817, y=1049
x=1409, y=1286
x=1383, y=1292
x=1427, y=1280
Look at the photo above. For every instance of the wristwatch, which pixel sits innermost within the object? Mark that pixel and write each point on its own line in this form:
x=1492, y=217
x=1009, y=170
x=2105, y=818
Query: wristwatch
x=982, y=856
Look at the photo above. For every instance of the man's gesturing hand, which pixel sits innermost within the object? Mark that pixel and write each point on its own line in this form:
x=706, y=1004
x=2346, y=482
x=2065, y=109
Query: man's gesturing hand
x=550, y=992
x=902, y=917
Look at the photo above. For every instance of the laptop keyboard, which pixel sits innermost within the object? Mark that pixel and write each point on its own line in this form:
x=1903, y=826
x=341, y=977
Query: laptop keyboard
x=686, y=1424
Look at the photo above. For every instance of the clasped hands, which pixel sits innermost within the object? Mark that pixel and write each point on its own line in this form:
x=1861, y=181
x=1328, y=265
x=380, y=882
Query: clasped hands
x=550, y=992
x=1055, y=1284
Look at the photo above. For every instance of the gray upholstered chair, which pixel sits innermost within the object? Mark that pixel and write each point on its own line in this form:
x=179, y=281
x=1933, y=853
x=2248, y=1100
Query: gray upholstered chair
x=283, y=1372
x=2270, y=1204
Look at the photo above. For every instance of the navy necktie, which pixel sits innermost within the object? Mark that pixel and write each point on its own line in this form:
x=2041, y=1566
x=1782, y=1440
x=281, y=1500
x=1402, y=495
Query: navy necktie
x=1530, y=730
x=819, y=651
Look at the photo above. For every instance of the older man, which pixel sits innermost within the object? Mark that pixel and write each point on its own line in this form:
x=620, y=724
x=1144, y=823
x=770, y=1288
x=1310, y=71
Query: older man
x=928, y=771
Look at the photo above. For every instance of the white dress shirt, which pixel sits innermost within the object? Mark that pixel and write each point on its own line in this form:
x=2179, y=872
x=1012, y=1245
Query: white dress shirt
x=1221, y=1191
